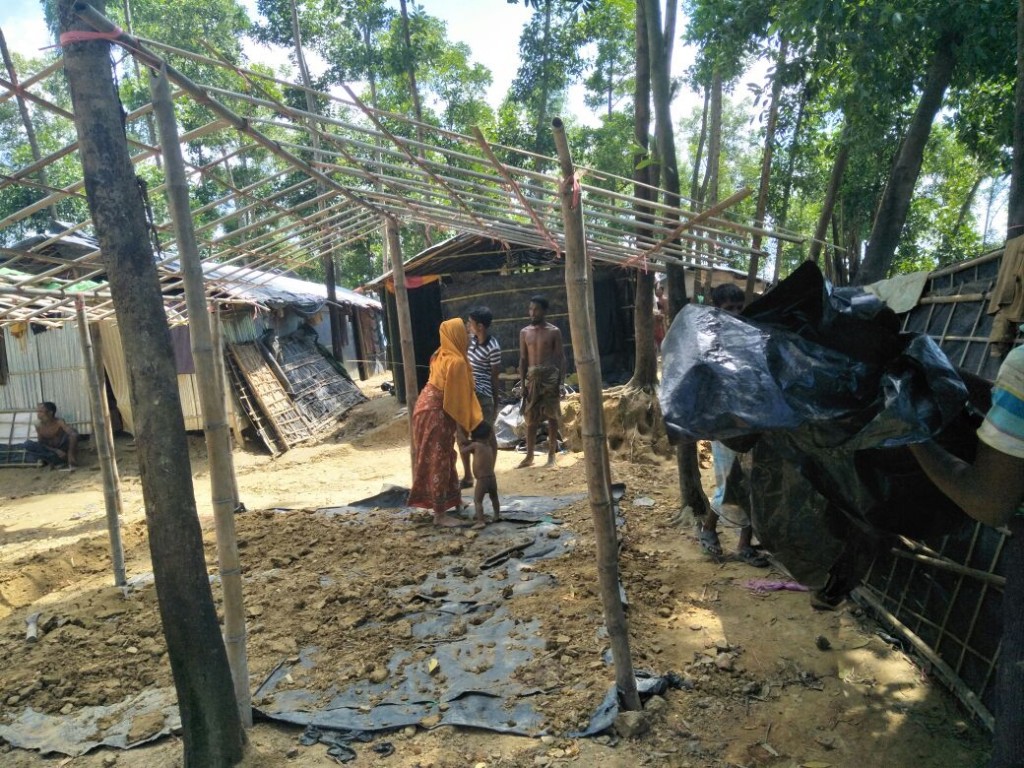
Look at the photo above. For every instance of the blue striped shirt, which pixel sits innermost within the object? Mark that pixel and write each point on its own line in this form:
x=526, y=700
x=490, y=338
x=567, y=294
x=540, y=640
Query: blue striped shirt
x=1003, y=428
x=483, y=357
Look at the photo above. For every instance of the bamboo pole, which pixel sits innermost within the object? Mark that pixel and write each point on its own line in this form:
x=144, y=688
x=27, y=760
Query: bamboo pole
x=579, y=291
x=215, y=426
x=104, y=446
x=394, y=245
x=948, y=565
x=217, y=338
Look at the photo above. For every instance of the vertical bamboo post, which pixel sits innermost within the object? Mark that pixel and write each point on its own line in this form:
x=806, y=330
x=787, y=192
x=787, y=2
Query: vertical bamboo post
x=579, y=290
x=404, y=324
x=223, y=388
x=104, y=446
x=218, y=446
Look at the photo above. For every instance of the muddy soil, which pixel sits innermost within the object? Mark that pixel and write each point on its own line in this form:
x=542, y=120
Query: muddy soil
x=760, y=691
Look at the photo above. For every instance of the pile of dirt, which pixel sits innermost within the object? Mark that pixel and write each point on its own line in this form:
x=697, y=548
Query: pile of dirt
x=633, y=425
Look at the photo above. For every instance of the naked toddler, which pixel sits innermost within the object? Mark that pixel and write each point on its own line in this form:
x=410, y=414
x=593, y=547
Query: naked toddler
x=481, y=447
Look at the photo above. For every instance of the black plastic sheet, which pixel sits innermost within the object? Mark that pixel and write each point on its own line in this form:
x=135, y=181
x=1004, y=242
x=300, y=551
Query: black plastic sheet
x=477, y=644
x=825, y=393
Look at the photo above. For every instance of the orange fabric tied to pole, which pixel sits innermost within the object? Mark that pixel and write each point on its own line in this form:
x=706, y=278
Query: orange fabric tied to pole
x=84, y=36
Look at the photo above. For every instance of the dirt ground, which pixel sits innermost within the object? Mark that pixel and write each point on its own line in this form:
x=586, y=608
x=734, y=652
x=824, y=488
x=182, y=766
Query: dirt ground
x=760, y=691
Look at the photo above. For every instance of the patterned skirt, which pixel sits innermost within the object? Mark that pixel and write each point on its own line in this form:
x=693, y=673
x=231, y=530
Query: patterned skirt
x=435, y=482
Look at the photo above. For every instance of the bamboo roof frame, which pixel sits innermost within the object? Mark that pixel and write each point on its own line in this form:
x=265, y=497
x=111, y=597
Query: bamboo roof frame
x=369, y=166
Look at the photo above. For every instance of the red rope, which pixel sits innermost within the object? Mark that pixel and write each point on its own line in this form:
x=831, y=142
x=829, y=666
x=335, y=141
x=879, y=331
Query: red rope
x=84, y=36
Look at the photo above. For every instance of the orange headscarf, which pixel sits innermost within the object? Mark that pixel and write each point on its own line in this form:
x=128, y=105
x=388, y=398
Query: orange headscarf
x=451, y=373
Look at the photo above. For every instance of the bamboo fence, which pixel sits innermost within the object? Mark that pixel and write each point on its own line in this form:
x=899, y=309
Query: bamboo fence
x=945, y=596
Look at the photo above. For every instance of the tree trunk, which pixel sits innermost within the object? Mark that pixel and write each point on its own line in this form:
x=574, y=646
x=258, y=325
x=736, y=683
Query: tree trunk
x=326, y=252
x=699, y=154
x=660, y=46
x=946, y=245
x=544, y=92
x=645, y=367
x=709, y=191
x=579, y=290
x=211, y=727
x=1015, y=201
x=835, y=181
x=414, y=92
x=787, y=183
x=766, y=167
x=895, y=204
x=710, y=188
x=1008, y=741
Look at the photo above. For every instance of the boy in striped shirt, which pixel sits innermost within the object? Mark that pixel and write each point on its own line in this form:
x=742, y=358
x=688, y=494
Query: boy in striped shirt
x=485, y=359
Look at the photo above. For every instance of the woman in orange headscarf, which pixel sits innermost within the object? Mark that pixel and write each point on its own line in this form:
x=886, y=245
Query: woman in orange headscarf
x=448, y=401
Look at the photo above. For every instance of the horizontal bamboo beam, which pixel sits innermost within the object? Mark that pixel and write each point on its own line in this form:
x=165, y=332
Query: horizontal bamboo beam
x=948, y=565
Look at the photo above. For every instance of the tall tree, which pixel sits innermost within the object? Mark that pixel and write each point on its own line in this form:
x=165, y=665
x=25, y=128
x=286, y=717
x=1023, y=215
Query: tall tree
x=549, y=54
x=895, y=203
x=645, y=368
x=660, y=52
x=212, y=731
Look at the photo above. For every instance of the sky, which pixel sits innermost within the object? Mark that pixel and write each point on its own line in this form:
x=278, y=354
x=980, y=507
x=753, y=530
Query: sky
x=491, y=29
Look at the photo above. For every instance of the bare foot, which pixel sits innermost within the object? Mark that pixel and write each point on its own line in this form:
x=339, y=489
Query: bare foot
x=479, y=524
x=527, y=462
x=447, y=521
x=496, y=519
x=550, y=462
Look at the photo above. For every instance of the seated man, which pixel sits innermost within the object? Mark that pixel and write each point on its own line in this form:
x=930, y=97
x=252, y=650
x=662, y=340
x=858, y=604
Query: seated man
x=58, y=442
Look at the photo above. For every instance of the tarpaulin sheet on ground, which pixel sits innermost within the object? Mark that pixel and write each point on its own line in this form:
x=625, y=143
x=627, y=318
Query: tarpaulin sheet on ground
x=823, y=393
x=477, y=645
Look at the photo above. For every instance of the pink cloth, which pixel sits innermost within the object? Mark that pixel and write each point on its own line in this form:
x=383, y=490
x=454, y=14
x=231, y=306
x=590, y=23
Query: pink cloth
x=770, y=585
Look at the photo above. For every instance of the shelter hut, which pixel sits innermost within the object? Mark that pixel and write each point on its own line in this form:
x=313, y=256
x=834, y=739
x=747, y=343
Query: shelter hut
x=945, y=596
x=447, y=279
x=41, y=358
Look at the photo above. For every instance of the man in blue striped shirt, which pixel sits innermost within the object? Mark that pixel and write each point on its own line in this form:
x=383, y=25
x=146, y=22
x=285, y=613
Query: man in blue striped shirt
x=485, y=358
x=991, y=488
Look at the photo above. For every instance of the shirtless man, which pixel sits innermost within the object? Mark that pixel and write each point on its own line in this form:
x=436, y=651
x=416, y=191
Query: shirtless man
x=58, y=442
x=542, y=370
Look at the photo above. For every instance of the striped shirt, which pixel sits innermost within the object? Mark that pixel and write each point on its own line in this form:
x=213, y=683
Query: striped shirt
x=1003, y=428
x=483, y=357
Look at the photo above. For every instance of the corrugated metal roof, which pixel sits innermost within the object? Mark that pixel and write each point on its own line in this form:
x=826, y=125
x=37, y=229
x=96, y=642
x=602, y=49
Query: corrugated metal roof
x=271, y=288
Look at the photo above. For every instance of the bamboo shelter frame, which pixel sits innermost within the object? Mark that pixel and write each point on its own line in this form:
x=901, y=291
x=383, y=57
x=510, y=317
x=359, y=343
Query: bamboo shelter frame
x=371, y=167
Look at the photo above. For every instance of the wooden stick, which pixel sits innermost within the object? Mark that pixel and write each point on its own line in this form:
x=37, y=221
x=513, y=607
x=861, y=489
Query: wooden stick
x=579, y=291
x=218, y=445
x=104, y=446
x=704, y=215
x=949, y=565
x=394, y=245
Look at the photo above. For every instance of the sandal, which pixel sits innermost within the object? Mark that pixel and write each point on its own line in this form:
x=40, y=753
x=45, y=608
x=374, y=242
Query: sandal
x=709, y=543
x=752, y=557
